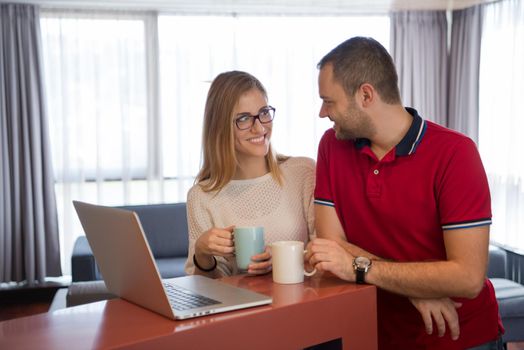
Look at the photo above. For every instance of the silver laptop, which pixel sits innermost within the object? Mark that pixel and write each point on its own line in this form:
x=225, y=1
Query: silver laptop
x=127, y=265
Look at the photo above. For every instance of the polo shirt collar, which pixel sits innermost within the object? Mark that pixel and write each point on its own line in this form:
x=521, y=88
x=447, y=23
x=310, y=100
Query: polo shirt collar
x=410, y=141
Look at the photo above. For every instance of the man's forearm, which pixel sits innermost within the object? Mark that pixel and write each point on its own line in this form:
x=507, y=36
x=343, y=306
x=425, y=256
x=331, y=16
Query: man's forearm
x=435, y=279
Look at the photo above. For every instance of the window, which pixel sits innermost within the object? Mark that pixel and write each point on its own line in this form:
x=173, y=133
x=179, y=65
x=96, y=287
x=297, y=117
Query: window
x=126, y=108
x=501, y=121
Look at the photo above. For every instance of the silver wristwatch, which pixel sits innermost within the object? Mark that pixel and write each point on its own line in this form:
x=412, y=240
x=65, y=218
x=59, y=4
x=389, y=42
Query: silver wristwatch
x=361, y=264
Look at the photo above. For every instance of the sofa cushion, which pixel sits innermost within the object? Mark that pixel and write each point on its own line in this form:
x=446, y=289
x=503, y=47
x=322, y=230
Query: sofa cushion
x=171, y=267
x=165, y=226
x=510, y=296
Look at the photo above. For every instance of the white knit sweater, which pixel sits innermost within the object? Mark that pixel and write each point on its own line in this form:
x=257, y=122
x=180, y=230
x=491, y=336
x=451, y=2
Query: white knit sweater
x=285, y=212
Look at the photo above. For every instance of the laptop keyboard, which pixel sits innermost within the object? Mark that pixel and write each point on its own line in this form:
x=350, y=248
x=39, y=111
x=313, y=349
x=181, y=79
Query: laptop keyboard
x=184, y=299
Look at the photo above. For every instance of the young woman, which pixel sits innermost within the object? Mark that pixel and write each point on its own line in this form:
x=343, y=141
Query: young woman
x=242, y=181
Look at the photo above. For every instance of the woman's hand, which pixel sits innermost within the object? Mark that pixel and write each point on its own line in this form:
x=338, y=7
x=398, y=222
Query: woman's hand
x=215, y=242
x=261, y=263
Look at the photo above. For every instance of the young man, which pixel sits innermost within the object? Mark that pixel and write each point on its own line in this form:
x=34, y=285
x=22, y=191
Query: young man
x=404, y=204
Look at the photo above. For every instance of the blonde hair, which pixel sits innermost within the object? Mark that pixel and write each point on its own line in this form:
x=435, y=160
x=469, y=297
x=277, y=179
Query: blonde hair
x=218, y=140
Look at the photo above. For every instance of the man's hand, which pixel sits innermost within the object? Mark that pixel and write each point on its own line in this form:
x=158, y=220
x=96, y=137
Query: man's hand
x=328, y=255
x=441, y=311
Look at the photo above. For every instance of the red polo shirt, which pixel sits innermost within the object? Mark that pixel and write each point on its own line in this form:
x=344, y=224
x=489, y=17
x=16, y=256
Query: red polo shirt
x=398, y=207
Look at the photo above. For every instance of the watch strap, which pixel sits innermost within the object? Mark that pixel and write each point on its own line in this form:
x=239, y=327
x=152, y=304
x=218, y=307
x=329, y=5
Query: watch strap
x=360, y=274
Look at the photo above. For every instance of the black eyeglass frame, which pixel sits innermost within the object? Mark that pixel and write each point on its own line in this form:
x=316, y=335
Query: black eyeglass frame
x=271, y=110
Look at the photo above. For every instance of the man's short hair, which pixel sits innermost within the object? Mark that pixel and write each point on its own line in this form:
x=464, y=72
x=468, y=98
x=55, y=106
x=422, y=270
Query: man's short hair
x=362, y=60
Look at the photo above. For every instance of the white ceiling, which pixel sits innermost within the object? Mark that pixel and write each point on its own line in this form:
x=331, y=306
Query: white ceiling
x=263, y=6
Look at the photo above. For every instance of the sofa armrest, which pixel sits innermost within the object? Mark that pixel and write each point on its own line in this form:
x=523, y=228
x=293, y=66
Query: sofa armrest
x=83, y=265
x=497, y=266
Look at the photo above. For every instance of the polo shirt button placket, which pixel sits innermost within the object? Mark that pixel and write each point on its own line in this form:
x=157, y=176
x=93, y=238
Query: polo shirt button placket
x=373, y=184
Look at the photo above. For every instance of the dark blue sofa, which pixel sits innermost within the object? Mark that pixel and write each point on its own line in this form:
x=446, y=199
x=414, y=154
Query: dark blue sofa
x=165, y=226
x=510, y=294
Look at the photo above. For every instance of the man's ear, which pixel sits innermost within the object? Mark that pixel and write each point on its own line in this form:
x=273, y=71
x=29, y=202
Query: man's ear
x=367, y=94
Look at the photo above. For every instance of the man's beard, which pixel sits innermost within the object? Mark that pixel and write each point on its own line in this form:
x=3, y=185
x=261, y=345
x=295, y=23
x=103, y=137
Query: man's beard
x=344, y=134
x=353, y=125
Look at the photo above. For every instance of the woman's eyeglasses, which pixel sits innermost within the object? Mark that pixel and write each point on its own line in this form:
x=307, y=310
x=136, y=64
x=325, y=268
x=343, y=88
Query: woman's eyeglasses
x=246, y=121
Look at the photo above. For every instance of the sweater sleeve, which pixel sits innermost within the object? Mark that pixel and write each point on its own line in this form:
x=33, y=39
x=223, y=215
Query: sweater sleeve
x=309, y=188
x=199, y=221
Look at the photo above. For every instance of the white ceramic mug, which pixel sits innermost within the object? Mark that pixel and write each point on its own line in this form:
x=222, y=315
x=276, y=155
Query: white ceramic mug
x=288, y=262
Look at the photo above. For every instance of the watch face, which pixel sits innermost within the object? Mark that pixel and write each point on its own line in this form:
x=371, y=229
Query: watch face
x=362, y=262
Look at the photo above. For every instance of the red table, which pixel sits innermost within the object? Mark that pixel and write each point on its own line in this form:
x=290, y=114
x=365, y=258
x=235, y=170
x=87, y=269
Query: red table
x=323, y=308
